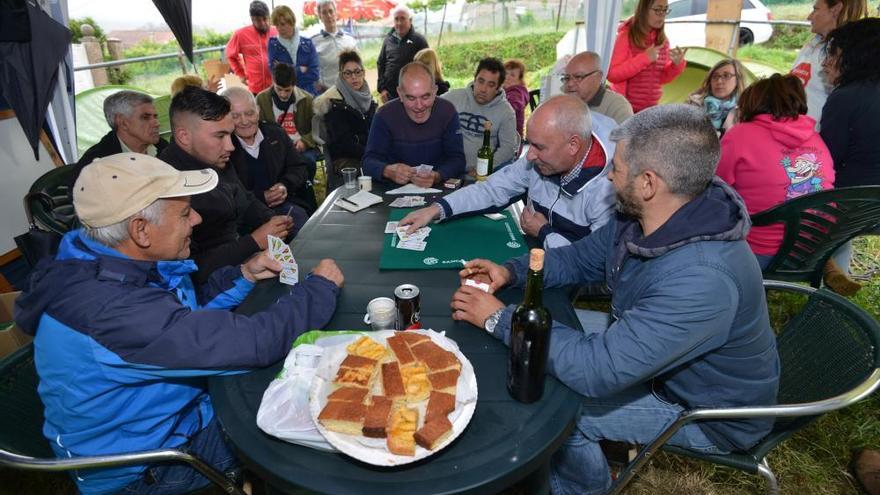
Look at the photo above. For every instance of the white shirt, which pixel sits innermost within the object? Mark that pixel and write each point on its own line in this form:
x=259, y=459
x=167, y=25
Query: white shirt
x=808, y=68
x=151, y=149
x=328, y=47
x=252, y=149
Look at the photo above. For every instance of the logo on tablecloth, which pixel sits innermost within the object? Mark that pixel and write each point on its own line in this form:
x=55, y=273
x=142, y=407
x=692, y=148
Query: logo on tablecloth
x=430, y=261
x=513, y=244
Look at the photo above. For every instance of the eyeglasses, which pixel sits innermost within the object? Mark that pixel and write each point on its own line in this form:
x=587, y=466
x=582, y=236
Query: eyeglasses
x=577, y=77
x=723, y=77
x=352, y=73
x=664, y=11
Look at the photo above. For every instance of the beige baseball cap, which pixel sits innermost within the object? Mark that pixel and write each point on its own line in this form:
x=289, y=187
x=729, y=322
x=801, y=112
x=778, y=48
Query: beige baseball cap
x=115, y=187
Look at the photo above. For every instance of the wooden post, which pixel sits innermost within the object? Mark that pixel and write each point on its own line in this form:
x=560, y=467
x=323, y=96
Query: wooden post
x=723, y=37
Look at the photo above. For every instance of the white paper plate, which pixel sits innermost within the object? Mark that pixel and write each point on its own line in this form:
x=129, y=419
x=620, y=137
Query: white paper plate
x=374, y=450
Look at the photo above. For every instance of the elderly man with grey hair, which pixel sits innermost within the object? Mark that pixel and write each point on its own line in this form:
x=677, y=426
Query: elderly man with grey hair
x=583, y=77
x=123, y=339
x=564, y=174
x=134, y=127
x=398, y=49
x=689, y=325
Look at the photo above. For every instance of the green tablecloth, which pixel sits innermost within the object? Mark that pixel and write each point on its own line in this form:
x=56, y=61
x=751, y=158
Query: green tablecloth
x=453, y=241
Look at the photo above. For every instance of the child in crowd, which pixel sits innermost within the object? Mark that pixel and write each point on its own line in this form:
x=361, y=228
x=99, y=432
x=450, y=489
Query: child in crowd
x=516, y=91
x=429, y=57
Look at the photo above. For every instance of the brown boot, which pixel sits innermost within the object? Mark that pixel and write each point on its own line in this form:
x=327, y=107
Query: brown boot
x=866, y=468
x=838, y=281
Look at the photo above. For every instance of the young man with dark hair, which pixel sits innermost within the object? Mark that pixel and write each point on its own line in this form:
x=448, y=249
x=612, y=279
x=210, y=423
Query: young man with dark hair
x=202, y=127
x=290, y=107
x=483, y=101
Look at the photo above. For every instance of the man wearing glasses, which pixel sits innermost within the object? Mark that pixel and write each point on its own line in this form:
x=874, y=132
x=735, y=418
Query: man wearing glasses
x=584, y=78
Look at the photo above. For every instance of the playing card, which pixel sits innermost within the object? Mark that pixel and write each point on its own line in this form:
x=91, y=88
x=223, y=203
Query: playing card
x=391, y=227
x=418, y=235
x=401, y=202
x=276, y=245
x=289, y=276
x=424, y=169
x=281, y=253
x=479, y=285
x=494, y=216
x=412, y=244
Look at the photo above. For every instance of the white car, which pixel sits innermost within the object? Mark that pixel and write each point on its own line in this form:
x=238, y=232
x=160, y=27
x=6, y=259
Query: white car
x=682, y=33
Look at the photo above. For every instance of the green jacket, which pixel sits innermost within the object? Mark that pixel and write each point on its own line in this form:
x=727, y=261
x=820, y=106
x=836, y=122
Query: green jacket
x=302, y=115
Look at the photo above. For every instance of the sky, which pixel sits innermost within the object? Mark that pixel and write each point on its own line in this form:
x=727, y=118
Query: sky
x=218, y=15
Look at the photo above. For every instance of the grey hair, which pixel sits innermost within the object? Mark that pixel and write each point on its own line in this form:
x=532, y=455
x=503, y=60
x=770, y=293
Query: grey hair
x=115, y=234
x=418, y=66
x=123, y=103
x=402, y=8
x=321, y=3
x=677, y=142
x=239, y=92
x=596, y=57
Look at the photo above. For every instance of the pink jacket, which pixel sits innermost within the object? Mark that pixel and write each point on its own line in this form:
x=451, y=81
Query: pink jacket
x=253, y=48
x=771, y=161
x=632, y=73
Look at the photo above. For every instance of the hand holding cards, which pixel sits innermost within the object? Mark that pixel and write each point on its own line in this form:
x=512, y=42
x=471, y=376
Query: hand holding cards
x=281, y=253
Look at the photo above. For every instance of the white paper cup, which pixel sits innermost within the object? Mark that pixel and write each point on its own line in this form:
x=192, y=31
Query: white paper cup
x=365, y=182
x=381, y=313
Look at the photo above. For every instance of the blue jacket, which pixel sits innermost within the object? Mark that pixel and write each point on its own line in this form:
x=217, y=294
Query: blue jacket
x=688, y=314
x=395, y=138
x=306, y=56
x=122, y=348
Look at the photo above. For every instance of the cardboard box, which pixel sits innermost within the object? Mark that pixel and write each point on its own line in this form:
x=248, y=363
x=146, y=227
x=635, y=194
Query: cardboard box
x=11, y=338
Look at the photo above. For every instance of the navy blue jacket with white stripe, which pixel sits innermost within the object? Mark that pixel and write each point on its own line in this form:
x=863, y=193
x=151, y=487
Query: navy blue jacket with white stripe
x=122, y=348
x=572, y=210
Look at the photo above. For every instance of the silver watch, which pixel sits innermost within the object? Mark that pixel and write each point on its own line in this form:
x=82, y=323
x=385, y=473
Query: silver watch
x=492, y=321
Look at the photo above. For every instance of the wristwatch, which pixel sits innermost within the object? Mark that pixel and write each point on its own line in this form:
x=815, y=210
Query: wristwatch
x=492, y=321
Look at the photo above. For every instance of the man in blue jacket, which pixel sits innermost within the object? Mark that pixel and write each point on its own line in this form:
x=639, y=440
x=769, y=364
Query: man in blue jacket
x=415, y=129
x=689, y=325
x=123, y=340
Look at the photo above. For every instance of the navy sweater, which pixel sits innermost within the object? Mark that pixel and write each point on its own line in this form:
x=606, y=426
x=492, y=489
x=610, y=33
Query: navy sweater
x=395, y=138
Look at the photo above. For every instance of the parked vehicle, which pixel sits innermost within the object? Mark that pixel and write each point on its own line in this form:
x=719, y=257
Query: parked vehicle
x=682, y=33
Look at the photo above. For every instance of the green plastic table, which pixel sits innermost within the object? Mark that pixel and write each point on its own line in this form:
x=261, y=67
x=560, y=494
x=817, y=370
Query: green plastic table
x=505, y=442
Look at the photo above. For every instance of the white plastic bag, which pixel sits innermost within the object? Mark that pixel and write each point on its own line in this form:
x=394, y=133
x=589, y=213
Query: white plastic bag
x=284, y=410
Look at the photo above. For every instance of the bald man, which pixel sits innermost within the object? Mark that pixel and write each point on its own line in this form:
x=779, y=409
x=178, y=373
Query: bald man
x=564, y=174
x=583, y=77
x=415, y=129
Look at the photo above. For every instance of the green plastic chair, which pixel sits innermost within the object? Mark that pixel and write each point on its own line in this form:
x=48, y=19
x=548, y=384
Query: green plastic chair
x=815, y=226
x=163, y=106
x=830, y=358
x=48, y=204
x=22, y=445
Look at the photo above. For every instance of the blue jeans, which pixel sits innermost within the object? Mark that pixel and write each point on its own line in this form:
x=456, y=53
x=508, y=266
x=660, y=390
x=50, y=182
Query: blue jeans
x=635, y=416
x=176, y=478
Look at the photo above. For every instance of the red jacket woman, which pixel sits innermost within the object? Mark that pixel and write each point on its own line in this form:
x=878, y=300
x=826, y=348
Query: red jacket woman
x=642, y=61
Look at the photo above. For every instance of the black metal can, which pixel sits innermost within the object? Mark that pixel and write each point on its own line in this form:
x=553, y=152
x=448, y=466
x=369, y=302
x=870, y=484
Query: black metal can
x=406, y=298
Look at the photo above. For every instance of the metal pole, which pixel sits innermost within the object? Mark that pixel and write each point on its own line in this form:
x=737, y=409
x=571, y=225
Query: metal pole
x=558, y=15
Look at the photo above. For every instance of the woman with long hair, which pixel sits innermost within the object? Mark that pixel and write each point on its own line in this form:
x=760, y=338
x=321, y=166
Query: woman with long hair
x=347, y=109
x=642, y=61
x=429, y=57
x=851, y=116
x=825, y=16
x=719, y=93
x=773, y=154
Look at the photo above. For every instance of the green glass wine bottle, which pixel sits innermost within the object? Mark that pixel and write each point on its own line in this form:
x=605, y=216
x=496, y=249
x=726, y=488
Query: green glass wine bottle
x=529, y=337
x=485, y=155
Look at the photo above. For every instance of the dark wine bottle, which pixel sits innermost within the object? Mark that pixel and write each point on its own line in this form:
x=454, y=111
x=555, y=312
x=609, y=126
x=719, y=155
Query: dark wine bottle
x=485, y=155
x=529, y=337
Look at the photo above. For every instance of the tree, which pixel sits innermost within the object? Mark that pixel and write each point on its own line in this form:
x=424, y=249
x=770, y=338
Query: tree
x=76, y=30
x=505, y=17
x=424, y=6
